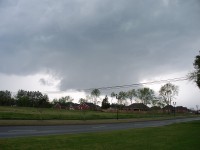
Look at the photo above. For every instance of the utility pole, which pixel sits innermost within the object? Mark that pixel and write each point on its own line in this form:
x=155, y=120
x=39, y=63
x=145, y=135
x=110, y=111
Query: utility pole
x=117, y=107
x=174, y=103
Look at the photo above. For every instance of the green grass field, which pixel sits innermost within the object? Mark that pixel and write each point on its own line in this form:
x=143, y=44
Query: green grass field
x=24, y=113
x=182, y=136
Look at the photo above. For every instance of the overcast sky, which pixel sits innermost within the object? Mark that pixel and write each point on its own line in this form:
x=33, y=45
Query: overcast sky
x=50, y=45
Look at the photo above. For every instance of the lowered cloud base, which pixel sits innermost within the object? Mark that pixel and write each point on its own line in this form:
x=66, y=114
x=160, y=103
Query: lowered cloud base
x=95, y=43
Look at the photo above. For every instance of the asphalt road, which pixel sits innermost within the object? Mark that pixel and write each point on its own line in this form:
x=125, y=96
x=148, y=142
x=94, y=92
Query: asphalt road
x=23, y=131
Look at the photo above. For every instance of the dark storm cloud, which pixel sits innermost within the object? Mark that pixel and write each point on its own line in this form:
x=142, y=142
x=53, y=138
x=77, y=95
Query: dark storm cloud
x=93, y=43
x=46, y=82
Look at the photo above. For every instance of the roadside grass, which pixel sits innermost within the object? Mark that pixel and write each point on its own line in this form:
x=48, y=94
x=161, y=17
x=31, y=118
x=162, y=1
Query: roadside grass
x=180, y=136
x=25, y=113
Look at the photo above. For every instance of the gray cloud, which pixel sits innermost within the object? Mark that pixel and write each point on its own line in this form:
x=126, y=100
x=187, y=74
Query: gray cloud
x=95, y=43
x=45, y=82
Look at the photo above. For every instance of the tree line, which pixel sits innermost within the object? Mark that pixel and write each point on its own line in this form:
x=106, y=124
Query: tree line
x=31, y=99
x=144, y=95
x=24, y=99
x=147, y=96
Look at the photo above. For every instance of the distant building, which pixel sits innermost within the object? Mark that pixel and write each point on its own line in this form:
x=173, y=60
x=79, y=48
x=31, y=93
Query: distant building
x=71, y=106
x=67, y=106
x=57, y=106
x=88, y=106
x=83, y=106
x=138, y=107
x=181, y=109
x=155, y=108
x=168, y=108
x=178, y=109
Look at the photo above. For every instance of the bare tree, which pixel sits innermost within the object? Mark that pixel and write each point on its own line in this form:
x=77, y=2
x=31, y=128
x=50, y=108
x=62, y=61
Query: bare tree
x=121, y=97
x=168, y=92
x=112, y=96
x=146, y=95
x=82, y=100
x=95, y=93
x=131, y=94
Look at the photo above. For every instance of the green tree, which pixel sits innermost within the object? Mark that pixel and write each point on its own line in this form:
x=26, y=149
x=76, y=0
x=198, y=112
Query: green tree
x=82, y=100
x=6, y=98
x=95, y=94
x=195, y=76
x=160, y=103
x=105, y=103
x=64, y=100
x=168, y=92
x=146, y=95
x=44, y=101
x=23, y=99
x=54, y=101
x=113, y=95
x=31, y=99
x=155, y=102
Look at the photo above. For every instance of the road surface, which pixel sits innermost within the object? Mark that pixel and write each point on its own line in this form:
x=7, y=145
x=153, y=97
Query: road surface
x=22, y=131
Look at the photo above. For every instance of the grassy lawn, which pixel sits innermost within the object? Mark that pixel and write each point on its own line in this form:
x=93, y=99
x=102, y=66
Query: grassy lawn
x=23, y=113
x=182, y=136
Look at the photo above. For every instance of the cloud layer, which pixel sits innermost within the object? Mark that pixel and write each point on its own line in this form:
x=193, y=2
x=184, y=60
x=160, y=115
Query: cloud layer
x=94, y=43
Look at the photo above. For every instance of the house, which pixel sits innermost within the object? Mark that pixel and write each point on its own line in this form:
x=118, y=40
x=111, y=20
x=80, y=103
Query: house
x=88, y=106
x=168, y=108
x=83, y=106
x=138, y=107
x=181, y=109
x=57, y=106
x=155, y=108
x=68, y=106
x=71, y=106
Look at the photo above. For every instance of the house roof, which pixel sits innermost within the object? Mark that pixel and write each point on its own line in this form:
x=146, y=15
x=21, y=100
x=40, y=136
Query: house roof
x=91, y=105
x=155, y=108
x=86, y=105
x=71, y=104
x=181, y=107
x=83, y=106
x=68, y=104
x=138, y=106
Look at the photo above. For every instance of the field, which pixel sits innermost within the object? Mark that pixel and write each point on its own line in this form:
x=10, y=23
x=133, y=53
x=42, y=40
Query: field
x=25, y=113
x=50, y=116
x=182, y=136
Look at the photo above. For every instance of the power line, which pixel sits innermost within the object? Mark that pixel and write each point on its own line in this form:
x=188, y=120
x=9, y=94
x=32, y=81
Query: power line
x=125, y=86
x=137, y=84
